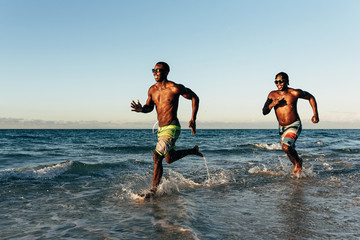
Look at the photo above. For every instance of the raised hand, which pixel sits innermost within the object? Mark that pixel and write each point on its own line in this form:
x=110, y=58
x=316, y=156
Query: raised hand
x=137, y=107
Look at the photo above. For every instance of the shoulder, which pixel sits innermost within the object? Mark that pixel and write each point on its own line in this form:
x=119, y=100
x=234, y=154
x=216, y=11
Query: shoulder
x=176, y=87
x=272, y=94
x=174, y=84
x=152, y=89
x=296, y=92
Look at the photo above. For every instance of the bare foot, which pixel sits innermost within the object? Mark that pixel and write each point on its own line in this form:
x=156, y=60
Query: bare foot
x=197, y=152
x=297, y=168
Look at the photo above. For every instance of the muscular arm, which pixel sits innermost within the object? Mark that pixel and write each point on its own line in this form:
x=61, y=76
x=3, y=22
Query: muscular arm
x=189, y=94
x=313, y=104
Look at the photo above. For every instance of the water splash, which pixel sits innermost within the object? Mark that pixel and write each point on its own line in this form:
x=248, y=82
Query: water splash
x=305, y=172
x=274, y=146
x=207, y=169
x=265, y=170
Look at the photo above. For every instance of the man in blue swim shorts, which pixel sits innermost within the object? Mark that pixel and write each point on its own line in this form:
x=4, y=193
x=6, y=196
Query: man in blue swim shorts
x=164, y=94
x=284, y=101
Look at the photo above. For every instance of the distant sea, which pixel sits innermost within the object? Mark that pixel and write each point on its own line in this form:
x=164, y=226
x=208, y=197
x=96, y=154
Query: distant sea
x=81, y=184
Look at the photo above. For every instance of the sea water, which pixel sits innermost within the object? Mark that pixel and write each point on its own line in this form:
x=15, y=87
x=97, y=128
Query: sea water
x=81, y=184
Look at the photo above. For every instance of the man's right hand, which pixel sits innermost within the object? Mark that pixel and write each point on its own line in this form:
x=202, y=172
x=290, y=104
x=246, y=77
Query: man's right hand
x=192, y=125
x=137, y=107
x=276, y=101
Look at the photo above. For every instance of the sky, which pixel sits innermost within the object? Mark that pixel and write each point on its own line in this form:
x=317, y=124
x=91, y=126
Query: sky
x=79, y=64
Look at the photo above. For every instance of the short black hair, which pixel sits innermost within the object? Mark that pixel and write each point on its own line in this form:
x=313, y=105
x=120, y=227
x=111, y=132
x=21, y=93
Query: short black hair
x=283, y=76
x=165, y=65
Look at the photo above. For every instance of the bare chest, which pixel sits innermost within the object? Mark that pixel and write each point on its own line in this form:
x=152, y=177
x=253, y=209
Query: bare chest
x=287, y=99
x=165, y=96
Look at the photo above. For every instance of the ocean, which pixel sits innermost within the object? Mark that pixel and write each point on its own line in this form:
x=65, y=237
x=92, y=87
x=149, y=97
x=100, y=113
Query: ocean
x=81, y=184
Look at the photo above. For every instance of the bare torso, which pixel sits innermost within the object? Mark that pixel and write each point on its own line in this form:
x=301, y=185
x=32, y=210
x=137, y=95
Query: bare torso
x=286, y=110
x=165, y=96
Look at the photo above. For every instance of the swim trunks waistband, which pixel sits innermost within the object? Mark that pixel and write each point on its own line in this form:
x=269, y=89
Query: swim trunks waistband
x=297, y=124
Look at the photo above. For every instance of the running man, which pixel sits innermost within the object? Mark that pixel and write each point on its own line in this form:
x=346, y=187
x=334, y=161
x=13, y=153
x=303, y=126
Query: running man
x=164, y=94
x=284, y=100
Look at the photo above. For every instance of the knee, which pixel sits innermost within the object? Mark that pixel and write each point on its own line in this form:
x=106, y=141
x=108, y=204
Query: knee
x=286, y=148
x=168, y=159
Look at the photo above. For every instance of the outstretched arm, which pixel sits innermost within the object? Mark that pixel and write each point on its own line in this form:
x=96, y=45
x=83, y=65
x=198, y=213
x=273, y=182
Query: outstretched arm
x=148, y=107
x=313, y=104
x=189, y=94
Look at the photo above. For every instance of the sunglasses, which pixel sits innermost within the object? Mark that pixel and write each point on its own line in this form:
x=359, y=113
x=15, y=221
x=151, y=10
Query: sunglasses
x=157, y=70
x=281, y=81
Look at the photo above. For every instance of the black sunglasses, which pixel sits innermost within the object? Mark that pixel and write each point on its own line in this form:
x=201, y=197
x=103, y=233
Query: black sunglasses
x=281, y=81
x=157, y=70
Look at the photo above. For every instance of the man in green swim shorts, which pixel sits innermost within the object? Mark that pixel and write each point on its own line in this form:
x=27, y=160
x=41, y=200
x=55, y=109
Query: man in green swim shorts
x=284, y=101
x=164, y=94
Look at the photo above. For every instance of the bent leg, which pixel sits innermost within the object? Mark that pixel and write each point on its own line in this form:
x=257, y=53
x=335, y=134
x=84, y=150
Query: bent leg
x=173, y=155
x=294, y=157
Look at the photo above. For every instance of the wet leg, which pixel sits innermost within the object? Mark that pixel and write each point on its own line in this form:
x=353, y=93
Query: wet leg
x=173, y=155
x=158, y=172
x=294, y=157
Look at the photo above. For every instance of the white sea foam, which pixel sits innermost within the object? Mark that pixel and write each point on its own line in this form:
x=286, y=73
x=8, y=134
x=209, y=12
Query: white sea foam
x=221, y=176
x=285, y=169
x=127, y=193
x=173, y=227
x=328, y=167
x=306, y=171
x=42, y=172
x=171, y=183
x=335, y=179
x=274, y=146
x=174, y=182
x=265, y=170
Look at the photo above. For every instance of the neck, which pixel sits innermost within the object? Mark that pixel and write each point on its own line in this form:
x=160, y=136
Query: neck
x=284, y=89
x=162, y=81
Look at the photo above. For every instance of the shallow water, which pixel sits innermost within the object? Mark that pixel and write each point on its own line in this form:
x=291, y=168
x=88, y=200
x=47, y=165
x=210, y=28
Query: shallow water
x=81, y=184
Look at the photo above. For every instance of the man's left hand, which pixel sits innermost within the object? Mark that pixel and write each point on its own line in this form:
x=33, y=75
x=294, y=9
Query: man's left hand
x=315, y=119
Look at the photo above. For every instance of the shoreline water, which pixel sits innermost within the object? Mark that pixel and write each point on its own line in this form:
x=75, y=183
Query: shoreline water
x=76, y=184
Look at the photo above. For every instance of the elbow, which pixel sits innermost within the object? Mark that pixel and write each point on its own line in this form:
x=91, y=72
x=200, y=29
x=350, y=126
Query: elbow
x=265, y=111
x=196, y=100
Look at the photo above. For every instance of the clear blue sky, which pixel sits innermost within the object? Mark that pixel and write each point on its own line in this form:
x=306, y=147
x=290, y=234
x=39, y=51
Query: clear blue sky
x=80, y=63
